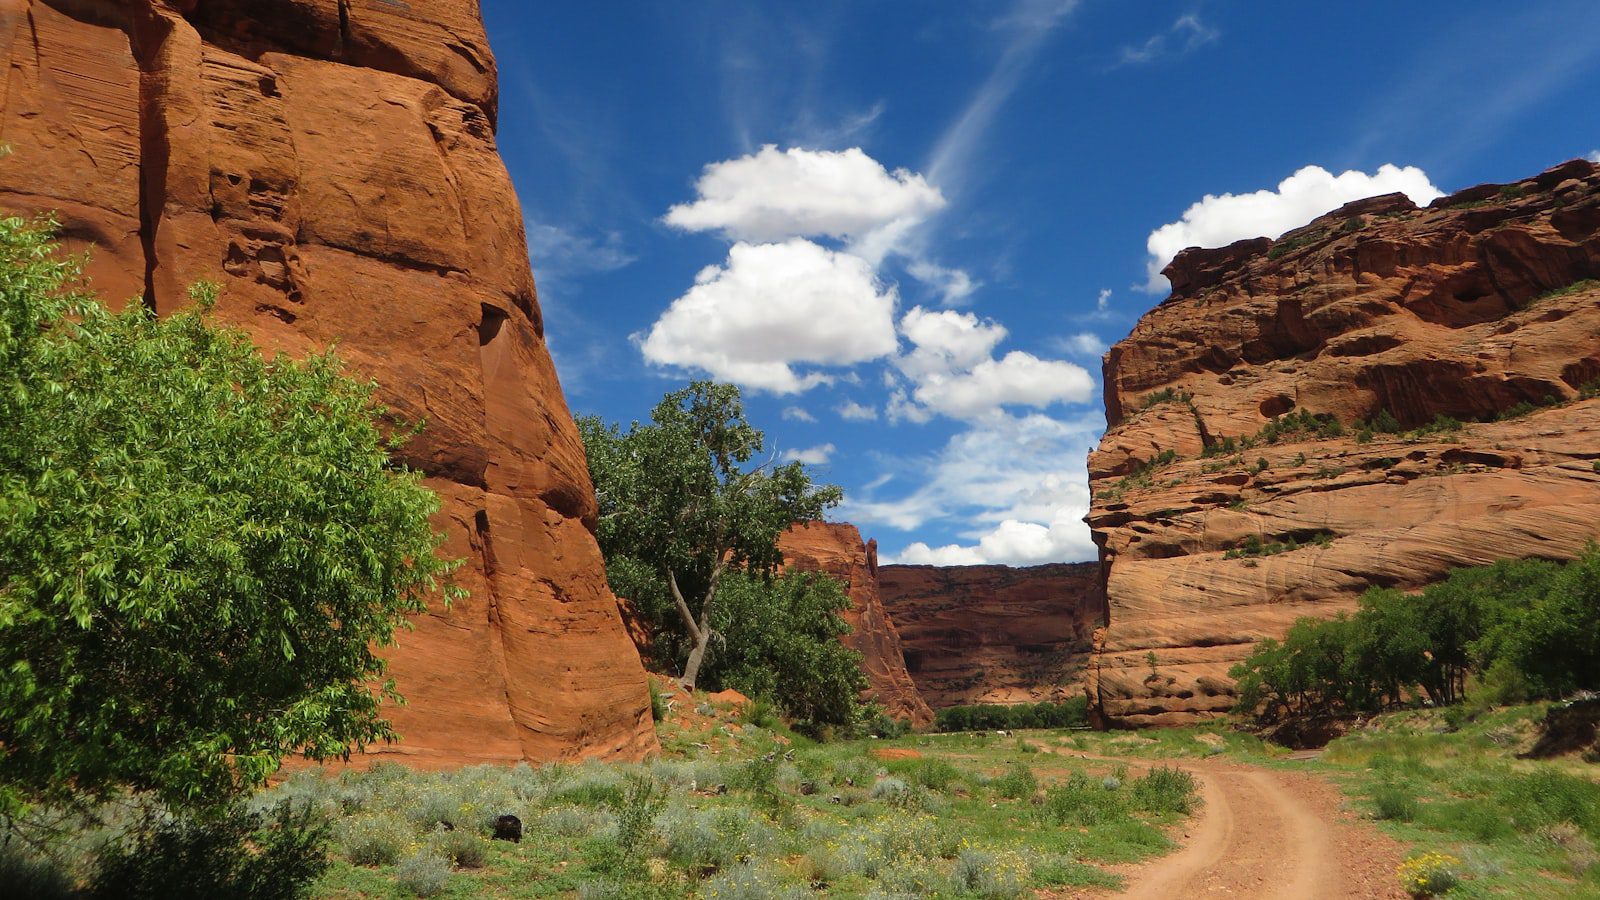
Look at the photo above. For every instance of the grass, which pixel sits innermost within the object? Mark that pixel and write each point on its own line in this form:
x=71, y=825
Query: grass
x=763, y=815
x=1520, y=828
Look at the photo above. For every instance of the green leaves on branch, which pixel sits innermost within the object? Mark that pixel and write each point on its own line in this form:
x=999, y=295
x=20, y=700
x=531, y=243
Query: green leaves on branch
x=199, y=547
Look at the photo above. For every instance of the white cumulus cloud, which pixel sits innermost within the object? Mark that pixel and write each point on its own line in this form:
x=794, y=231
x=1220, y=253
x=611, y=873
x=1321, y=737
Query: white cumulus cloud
x=1216, y=221
x=1084, y=343
x=775, y=194
x=797, y=414
x=1016, y=379
x=946, y=341
x=811, y=456
x=1019, y=482
x=1594, y=156
x=856, y=412
x=773, y=307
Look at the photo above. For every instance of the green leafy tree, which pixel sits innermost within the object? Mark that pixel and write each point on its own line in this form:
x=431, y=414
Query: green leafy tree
x=200, y=548
x=682, y=506
x=780, y=639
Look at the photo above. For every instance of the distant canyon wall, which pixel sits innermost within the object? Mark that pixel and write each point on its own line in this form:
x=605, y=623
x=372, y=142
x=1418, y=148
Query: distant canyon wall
x=1483, y=306
x=332, y=164
x=995, y=634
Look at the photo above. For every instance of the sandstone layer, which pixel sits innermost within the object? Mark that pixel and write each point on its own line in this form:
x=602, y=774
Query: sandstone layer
x=332, y=165
x=836, y=549
x=995, y=634
x=1480, y=308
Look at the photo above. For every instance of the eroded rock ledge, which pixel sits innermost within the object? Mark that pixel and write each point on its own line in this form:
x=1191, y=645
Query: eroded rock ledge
x=1482, y=306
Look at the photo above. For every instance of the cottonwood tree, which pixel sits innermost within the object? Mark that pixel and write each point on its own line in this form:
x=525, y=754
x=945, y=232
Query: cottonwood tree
x=683, y=502
x=199, y=548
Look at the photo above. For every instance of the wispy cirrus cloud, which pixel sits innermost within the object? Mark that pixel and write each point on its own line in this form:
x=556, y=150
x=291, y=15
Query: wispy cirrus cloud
x=1184, y=36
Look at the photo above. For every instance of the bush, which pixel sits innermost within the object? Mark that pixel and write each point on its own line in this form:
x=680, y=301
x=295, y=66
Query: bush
x=1166, y=790
x=636, y=812
x=1079, y=801
x=372, y=840
x=460, y=846
x=1394, y=803
x=752, y=881
x=423, y=874
x=26, y=875
x=1017, y=783
x=232, y=854
x=892, y=790
x=1429, y=875
x=991, y=874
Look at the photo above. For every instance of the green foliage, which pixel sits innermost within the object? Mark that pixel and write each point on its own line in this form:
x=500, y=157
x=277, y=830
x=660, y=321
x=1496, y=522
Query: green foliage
x=1017, y=783
x=1165, y=789
x=200, y=549
x=27, y=874
x=1080, y=801
x=780, y=641
x=1071, y=713
x=1529, y=628
x=659, y=706
x=423, y=874
x=1165, y=395
x=642, y=801
x=1285, y=246
x=231, y=853
x=1394, y=802
x=682, y=506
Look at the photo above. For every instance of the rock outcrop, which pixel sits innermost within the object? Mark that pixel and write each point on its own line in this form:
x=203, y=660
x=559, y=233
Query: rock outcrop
x=332, y=164
x=995, y=634
x=1481, y=309
x=836, y=549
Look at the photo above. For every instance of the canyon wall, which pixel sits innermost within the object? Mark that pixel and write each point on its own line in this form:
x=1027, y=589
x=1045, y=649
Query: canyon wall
x=332, y=165
x=1481, y=308
x=995, y=634
x=836, y=549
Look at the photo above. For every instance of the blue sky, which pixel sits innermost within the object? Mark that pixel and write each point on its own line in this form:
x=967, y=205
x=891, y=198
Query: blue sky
x=909, y=229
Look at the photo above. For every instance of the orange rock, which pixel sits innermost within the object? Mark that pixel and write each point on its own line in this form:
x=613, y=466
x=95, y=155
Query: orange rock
x=333, y=166
x=836, y=549
x=995, y=634
x=729, y=698
x=1452, y=311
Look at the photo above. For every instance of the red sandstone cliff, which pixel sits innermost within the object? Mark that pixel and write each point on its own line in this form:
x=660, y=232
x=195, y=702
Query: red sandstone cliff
x=836, y=549
x=1464, y=309
x=332, y=164
x=995, y=634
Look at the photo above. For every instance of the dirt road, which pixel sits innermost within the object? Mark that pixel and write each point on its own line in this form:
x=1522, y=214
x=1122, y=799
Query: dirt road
x=1269, y=834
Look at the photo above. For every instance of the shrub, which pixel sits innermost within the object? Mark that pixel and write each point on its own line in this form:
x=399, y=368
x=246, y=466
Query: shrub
x=636, y=811
x=1392, y=802
x=423, y=874
x=659, y=707
x=909, y=878
x=372, y=840
x=1079, y=801
x=752, y=881
x=1017, y=783
x=892, y=790
x=27, y=875
x=1429, y=875
x=230, y=854
x=1165, y=789
x=931, y=773
x=460, y=846
x=991, y=874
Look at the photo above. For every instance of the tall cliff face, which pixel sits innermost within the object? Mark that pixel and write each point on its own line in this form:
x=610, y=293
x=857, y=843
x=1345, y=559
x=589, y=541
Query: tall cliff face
x=836, y=549
x=995, y=634
x=332, y=164
x=1466, y=309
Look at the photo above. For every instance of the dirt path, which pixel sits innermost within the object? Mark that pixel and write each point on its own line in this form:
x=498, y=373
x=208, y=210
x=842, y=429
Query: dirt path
x=1268, y=834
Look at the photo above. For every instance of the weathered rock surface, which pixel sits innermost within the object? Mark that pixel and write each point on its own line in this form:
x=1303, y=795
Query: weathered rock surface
x=995, y=634
x=836, y=549
x=1465, y=309
x=332, y=164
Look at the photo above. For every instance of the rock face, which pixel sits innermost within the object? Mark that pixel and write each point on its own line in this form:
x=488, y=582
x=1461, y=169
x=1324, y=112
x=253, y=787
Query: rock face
x=332, y=164
x=995, y=634
x=836, y=549
x=1466, y=309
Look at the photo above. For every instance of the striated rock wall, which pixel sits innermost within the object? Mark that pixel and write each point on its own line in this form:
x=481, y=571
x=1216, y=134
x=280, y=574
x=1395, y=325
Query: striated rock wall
x=1466, y=309
x=332, y=164
x=836, y=549
x=995, y=634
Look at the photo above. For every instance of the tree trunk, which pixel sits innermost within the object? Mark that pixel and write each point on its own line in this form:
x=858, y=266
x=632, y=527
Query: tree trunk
x=691, y=669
